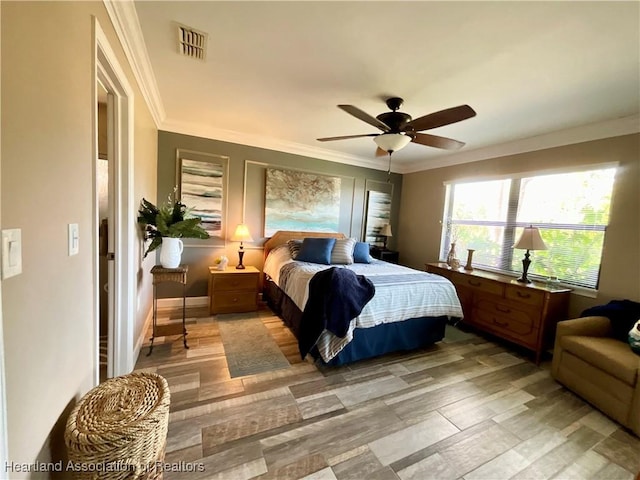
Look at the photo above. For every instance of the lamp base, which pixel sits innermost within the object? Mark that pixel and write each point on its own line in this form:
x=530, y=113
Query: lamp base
x=525, y=267
x=240, y=266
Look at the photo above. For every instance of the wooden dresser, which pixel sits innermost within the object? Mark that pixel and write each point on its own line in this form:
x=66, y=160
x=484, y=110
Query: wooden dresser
x=525, y=314
x=232, y=290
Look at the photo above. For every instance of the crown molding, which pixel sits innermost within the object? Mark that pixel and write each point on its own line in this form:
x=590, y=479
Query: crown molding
x=271, y=144
x=569, y=136
x=127, y=26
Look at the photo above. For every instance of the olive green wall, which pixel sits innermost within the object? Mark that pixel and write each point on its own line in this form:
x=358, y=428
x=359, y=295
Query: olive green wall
x=424, y=192
x=245, y=198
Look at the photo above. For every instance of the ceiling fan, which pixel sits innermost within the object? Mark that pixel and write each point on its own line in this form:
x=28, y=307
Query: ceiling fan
x=399, y=129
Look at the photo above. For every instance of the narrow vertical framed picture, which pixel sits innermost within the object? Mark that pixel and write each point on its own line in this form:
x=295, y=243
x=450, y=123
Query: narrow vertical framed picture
x=202, y=188
x=378, y=215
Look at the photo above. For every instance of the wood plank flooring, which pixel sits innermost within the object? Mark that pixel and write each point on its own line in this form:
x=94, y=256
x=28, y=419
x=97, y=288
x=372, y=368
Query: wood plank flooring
x=466, y=408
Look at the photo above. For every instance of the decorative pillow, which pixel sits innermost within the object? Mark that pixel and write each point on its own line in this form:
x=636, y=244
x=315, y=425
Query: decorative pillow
x=342, y=253
x=316, y=250
x=634, y=338
x=294, y=247
x=361, y=252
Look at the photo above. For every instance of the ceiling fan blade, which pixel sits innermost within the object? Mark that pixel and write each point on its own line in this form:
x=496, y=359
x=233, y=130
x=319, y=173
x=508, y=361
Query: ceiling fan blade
x=381, y=153
x=365, y=117
x=441, y=118
x=345, y=137
x=437, y=142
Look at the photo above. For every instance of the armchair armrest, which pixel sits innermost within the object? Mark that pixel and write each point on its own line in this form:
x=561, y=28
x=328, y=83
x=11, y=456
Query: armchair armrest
x=585, y=326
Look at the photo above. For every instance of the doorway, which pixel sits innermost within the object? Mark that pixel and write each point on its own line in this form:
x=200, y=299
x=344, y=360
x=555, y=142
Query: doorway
x=105, y=240
x=113, y=266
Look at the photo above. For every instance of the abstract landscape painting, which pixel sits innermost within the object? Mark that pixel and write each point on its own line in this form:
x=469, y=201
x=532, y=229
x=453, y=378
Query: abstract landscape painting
x=378, y=214
x=201, y=190
x=301, y=201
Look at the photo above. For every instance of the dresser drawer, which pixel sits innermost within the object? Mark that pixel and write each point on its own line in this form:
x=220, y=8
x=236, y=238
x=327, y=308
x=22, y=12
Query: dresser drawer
x=526, y=295
x=503, y=309
x=232, y=281
x=522, y=333
x=479, y=284
x=232, y=302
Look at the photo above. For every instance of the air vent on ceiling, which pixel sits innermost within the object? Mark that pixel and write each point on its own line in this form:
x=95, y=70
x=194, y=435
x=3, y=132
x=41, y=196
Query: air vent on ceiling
x=191, y=42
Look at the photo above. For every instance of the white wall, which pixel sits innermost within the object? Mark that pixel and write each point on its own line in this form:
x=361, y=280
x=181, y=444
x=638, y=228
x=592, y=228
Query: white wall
x=47, y=182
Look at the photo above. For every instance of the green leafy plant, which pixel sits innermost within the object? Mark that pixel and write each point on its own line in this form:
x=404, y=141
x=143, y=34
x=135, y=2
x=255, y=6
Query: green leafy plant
x=172, y=219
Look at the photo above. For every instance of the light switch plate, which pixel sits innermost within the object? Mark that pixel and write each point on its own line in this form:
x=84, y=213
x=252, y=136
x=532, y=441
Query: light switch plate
x=74, y=239
x=11, y=252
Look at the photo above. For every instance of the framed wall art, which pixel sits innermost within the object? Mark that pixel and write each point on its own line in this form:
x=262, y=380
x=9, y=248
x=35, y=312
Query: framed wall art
x=201, y=184
x=302, y=201
x=378, y=215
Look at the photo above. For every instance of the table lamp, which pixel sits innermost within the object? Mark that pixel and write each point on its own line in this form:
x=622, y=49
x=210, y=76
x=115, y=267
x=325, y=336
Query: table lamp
x=529, y=240
x=241, y=235
x=386, y=232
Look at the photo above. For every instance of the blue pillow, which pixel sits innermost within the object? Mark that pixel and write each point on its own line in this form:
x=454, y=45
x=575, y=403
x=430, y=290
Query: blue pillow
x=316, y=250
x=361, y=253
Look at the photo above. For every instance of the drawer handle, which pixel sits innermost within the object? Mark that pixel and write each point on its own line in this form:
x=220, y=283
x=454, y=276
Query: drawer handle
x=523, y=295
x=474, y=284
x=502, y=309
x=499, y=323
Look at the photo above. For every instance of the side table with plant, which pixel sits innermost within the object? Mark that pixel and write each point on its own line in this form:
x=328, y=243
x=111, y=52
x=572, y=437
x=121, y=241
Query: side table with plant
x=166, y=225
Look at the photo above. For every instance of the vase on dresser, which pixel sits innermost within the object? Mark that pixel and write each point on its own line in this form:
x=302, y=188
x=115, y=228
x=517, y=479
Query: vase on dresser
x=171, y=252
x=451, y=256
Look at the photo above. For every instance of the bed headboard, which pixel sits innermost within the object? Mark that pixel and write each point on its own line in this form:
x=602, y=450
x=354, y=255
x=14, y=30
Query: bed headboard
x=283, y=236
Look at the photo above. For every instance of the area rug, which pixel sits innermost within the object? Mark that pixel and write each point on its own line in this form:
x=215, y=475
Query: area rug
x=454, y=334
x=249, y=347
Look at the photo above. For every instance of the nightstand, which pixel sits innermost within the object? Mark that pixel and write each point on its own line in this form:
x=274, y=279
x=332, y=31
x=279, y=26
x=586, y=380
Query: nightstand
x=232, y=290
x=390, y=256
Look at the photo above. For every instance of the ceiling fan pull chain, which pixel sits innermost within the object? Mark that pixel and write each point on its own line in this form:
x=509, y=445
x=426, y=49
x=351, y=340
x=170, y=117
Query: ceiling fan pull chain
x=389, y=169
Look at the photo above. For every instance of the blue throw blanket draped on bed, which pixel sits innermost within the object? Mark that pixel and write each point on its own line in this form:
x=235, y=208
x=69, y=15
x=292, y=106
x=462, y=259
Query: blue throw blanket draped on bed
x=336, y=296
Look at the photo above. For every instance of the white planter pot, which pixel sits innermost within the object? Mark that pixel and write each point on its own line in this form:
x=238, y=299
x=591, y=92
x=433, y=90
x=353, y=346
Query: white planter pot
x=171, y=252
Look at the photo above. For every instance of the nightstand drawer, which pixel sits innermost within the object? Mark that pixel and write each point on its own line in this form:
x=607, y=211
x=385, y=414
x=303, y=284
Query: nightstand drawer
x=232, y=302
x=244, y=281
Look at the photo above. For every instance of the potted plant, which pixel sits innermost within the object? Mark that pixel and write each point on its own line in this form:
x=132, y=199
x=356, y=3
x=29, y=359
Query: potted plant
x=166, y=225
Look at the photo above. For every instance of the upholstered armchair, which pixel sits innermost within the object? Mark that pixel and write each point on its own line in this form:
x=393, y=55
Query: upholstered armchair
x=589, y=360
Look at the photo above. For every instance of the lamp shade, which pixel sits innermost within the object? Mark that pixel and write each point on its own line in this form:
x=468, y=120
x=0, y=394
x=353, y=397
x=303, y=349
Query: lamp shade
x=241, y=234
x=392, y=142
x=386, y=230
x=530, y=240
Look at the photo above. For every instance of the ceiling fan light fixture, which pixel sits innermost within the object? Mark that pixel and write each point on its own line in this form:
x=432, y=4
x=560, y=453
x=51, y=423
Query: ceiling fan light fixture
x=392, y=142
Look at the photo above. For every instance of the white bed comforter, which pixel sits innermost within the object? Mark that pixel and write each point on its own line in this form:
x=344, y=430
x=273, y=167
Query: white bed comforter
x=401, y=293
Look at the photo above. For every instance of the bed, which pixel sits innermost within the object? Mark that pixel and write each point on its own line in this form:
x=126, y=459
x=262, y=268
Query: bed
x=409, y=309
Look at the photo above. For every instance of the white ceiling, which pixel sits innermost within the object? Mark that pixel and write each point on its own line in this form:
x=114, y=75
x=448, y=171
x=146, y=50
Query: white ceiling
x=538, y=74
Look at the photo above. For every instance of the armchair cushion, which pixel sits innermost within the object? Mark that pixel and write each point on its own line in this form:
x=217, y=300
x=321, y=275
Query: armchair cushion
x=608, y=354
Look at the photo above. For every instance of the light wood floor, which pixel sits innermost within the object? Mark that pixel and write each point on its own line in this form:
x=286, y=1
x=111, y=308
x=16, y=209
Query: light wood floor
x=471, y=409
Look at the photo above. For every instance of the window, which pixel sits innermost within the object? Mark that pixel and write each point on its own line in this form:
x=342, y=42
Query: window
x=571, y=211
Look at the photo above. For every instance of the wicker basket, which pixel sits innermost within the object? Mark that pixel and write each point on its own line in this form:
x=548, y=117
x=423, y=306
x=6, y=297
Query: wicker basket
x=118, y=430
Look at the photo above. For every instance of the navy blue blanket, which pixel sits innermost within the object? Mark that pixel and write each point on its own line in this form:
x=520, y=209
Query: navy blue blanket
x=336, y=296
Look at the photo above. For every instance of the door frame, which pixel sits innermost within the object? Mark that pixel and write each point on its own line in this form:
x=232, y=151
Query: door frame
x=107, y=70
